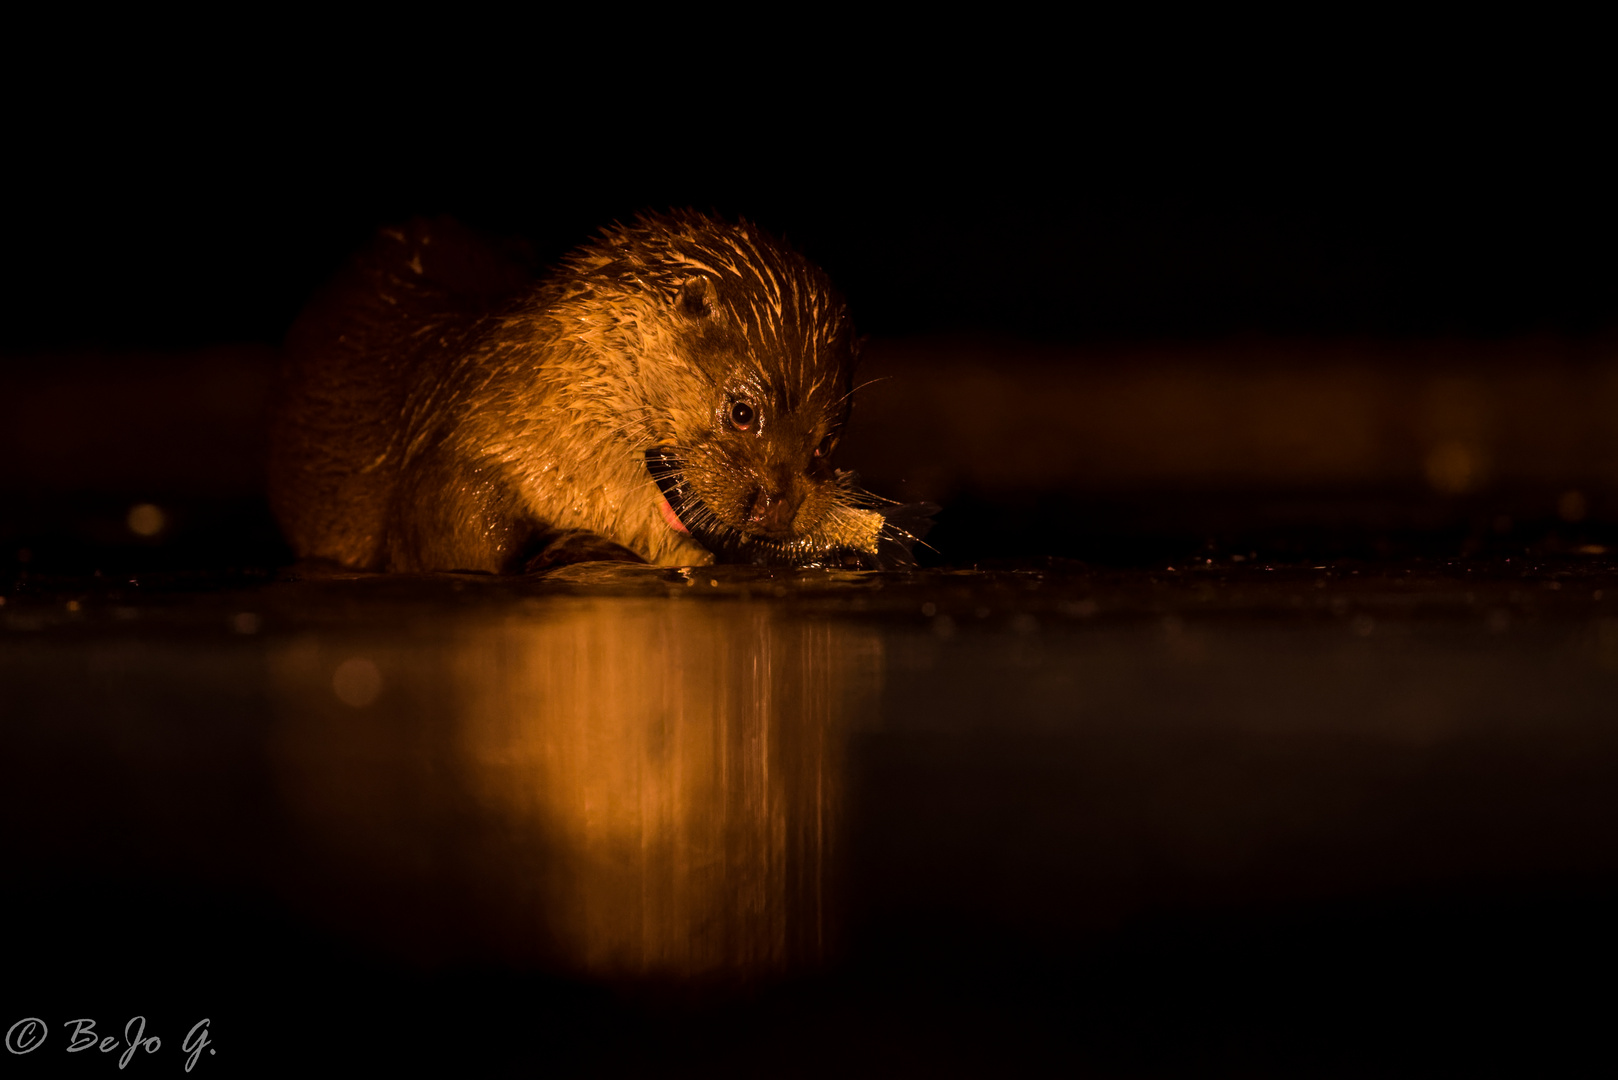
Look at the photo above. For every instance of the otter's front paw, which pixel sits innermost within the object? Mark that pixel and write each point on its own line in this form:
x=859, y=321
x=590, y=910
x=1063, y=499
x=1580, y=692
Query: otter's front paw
x=576, y=546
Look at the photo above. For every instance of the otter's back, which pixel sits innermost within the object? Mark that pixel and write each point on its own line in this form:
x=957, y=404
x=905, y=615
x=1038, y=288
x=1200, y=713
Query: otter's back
x=357, y=380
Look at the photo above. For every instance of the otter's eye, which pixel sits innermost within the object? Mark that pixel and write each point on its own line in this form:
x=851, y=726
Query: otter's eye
x=742, y=415
x=824, y=449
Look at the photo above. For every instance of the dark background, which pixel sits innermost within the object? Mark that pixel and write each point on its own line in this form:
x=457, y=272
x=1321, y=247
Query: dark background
x=1066, y=195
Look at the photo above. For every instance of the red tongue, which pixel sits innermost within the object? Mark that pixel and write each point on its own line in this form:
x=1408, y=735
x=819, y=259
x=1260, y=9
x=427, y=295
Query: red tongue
x=669, y=516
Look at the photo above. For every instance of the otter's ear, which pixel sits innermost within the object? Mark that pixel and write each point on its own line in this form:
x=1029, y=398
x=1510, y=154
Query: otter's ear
x=696, y=297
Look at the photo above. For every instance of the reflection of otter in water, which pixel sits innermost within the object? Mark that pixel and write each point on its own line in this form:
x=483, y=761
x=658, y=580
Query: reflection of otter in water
x=672, y=393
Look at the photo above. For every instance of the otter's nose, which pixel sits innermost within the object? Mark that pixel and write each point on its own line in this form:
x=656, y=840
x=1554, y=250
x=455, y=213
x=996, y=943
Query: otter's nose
x=774, y=511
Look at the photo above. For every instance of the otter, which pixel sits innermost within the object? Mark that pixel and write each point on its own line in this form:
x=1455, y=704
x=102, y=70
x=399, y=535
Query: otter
x=672, y=393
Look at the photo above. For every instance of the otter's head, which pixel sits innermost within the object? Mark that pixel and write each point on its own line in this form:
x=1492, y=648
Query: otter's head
x=742, y=356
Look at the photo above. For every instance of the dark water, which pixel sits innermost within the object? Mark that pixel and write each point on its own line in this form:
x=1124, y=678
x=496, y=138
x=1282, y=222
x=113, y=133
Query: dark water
x=1237, y=817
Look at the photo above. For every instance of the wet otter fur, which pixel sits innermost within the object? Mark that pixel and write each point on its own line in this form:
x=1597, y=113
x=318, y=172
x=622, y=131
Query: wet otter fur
x=671, y=393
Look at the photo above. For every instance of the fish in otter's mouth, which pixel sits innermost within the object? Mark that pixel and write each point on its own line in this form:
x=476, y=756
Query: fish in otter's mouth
x=850, y=538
